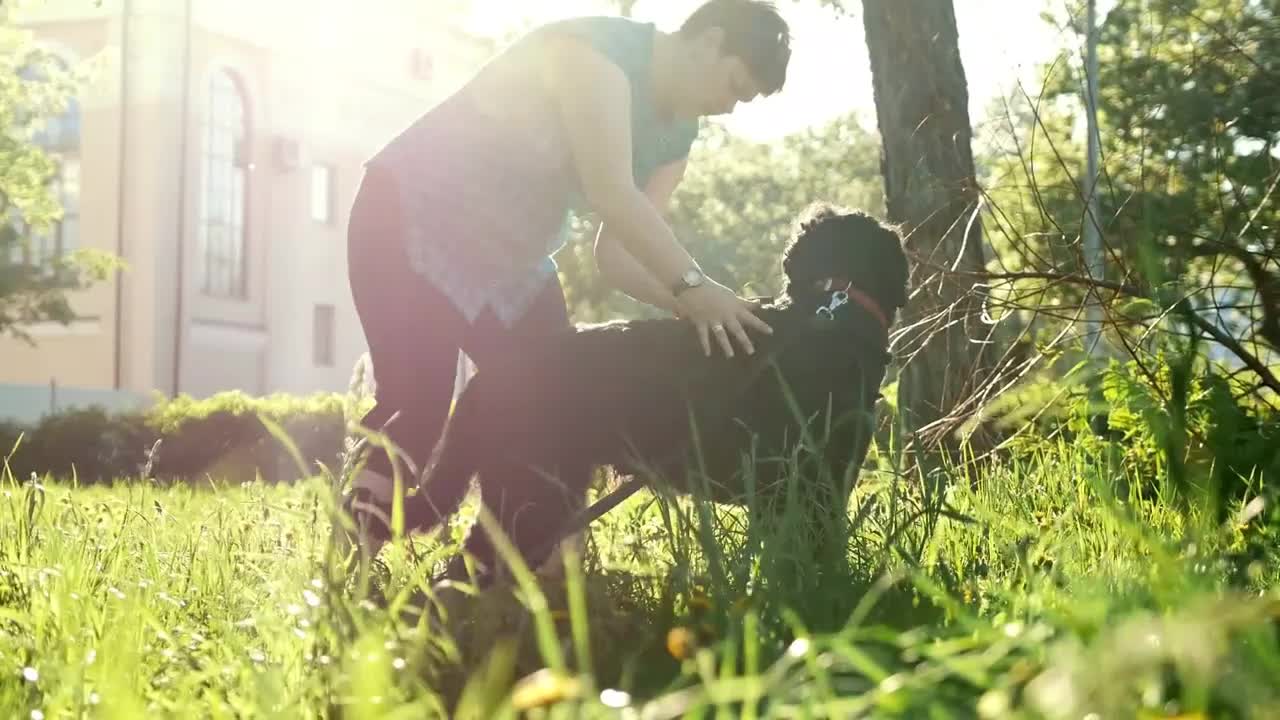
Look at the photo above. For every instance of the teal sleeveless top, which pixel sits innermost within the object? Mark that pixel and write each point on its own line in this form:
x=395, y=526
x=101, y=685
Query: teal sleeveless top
x=485, y=205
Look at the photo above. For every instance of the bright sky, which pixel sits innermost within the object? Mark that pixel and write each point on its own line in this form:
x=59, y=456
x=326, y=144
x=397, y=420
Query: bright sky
x=1001, y=41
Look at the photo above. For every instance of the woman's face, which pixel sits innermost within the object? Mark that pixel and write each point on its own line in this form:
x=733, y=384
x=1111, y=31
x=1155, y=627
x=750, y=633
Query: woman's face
x=716, y=82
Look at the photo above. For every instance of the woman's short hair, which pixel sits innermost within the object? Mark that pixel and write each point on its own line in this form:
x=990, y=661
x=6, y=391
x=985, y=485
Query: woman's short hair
x=754, y=31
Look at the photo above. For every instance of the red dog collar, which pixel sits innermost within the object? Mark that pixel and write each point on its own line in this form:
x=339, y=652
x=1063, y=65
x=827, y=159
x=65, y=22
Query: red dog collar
x=856, y=295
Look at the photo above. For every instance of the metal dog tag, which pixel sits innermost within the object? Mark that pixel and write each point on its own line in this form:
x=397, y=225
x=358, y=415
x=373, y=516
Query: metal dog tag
x=838, y=298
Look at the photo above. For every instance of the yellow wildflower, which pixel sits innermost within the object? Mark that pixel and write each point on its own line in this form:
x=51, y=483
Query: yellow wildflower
x=681, y=643
x=543, y=688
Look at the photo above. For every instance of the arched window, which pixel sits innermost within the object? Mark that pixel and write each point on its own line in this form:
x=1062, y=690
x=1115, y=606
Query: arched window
x=225, y=156
x=59, y=137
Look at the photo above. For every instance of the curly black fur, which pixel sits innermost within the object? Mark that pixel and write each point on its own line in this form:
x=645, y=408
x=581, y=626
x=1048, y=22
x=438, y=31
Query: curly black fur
x=625, y=394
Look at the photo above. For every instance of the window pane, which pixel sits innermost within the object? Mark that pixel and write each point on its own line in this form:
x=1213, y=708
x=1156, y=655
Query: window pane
x=70, y=232
x=321, y=193
x=237, y=196
x=222, y=214
x=70, y=183
x=323, y=336
x=44, y=247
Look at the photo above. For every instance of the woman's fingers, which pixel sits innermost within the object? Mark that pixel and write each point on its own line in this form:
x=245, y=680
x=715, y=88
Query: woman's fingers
x=722, y=337
x=744, y=340
x=756, y=323
x=730, y=320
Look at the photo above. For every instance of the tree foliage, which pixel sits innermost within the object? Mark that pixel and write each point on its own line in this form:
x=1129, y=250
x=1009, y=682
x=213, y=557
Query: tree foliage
x=34, y=287
x=1189, y=111
x=1191, y=100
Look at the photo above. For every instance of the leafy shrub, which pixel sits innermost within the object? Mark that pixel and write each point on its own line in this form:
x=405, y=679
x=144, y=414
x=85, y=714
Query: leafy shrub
x=89, y=444
x=1191, y=429
x=220, y=437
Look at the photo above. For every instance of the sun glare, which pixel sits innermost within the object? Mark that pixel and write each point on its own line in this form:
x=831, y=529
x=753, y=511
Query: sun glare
x=829, y=75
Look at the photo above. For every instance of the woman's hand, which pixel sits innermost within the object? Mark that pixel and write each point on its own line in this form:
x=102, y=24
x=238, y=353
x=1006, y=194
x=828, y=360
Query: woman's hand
x=716, y=310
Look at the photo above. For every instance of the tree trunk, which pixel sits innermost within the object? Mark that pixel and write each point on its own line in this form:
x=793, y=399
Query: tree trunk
x=922, y=107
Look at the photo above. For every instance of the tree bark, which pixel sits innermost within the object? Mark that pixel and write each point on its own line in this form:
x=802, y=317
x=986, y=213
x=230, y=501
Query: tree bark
x=922, y=107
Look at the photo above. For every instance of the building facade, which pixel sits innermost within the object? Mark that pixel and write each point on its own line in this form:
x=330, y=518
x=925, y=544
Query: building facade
x=217, y=148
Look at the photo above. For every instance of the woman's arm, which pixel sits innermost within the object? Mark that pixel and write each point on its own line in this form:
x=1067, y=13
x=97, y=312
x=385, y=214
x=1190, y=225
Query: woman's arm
x=619, y=268
x=593, y=100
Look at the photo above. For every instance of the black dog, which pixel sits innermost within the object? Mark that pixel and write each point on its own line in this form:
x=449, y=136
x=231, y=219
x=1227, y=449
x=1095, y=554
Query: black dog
x=642, y=396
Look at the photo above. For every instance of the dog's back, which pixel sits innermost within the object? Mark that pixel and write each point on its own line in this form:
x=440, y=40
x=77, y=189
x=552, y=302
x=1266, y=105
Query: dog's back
x=632, y=395
x=817, y=395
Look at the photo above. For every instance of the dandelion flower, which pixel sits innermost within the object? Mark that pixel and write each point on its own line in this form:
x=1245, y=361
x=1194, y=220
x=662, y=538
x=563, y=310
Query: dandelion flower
x=681, y=642
x=544, y=688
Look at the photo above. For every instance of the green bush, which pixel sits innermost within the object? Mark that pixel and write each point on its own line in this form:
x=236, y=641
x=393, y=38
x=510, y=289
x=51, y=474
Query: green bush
x=88, y=444
x=182, y=439
x=1193, y=431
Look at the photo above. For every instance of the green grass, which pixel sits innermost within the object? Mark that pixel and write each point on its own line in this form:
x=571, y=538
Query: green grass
x=1057, y=589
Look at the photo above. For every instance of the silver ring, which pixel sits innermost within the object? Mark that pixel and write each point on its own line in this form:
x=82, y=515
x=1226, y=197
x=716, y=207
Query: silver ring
x=718, y=327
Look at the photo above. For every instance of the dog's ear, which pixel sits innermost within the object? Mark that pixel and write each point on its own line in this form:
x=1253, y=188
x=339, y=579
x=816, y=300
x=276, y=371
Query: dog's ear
x=893, y=273
x=882, y=270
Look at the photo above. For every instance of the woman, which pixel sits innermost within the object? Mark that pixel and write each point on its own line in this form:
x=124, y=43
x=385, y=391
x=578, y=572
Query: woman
x=452, y=229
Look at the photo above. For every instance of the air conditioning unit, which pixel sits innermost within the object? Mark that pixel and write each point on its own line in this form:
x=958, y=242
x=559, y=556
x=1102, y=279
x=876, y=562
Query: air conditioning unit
x=287, y=154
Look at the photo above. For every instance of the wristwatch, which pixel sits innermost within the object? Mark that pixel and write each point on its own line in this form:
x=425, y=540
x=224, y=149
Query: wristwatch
x=691, y=278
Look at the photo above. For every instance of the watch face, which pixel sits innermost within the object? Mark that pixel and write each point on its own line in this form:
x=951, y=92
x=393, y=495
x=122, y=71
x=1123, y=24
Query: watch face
x=692, y=278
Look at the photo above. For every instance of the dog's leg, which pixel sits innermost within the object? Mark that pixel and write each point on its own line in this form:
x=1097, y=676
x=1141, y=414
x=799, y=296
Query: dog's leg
x=531, y=507
x=843, y=452
x=553, y=565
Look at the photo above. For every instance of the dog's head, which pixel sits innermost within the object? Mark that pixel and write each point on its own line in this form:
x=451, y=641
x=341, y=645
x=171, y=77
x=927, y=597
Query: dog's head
x=834, y=248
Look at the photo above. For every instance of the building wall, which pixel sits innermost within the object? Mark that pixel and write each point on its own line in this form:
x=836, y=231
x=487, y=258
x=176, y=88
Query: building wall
x=380, y=94
x=333, y=106
x=225, y=340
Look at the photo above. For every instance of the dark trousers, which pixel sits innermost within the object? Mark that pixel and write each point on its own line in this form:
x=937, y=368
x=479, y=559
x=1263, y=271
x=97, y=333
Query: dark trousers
x=414, y=334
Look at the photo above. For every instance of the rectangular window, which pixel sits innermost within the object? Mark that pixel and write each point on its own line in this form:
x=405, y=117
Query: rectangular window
x=322, y=194
x=323, y=336
x=44, y=249
x=226, y=165
x=11, y=230
x=69, y=190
